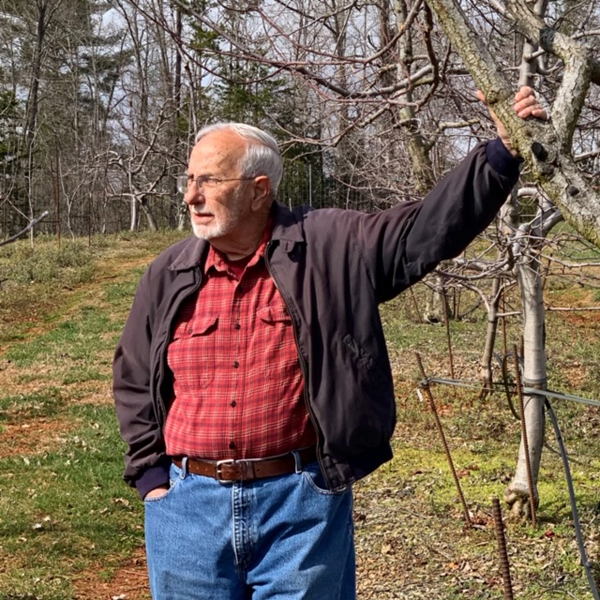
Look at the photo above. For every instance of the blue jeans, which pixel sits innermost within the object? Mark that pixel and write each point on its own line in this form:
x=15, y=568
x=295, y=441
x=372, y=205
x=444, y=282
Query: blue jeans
x=280, y=538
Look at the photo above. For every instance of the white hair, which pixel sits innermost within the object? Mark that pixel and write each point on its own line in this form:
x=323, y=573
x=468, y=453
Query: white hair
x=262, y=155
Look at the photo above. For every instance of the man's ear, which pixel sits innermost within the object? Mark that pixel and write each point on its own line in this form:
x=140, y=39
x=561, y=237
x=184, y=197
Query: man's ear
x=262, y=193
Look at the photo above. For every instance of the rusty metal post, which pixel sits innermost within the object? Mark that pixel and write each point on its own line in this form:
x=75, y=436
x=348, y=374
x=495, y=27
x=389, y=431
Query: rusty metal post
x=448, y=337
x=519, y=384
x=414, y=299
x=504, y=564
x=504, y=335
x=426, y=388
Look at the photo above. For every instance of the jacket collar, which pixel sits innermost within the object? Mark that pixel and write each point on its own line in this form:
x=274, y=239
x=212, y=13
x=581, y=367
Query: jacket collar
x=288, y=224
x=287, y=229
x=194, y=253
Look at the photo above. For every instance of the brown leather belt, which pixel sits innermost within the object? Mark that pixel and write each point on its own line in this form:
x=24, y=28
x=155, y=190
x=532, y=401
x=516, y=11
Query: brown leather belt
x=249, y=469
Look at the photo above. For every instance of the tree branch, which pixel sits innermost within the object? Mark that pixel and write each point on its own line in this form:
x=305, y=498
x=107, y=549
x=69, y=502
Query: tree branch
x=549, y=39
x=21, y=233
x=542, y=147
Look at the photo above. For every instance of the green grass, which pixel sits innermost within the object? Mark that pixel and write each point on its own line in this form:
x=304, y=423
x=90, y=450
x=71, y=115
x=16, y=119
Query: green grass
x=73, y=509
x=123, y=292
x=31, y=406
x=75, y=340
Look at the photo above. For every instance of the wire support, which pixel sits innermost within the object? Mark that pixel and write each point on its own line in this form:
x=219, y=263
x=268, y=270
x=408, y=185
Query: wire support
x=576, y=524
x=500, y=387
x=495, y=386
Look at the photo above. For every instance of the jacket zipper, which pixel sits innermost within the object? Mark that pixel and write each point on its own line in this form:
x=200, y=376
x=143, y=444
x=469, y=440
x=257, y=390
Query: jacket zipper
x=303, y=365
x=160, y=404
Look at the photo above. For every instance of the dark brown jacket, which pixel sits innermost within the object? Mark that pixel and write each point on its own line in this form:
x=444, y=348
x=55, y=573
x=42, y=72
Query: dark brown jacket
x=333, y=268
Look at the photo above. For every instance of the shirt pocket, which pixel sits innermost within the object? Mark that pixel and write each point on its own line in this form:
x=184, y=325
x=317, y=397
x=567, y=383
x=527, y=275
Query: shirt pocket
x=277, y=338
x=192, y=353
x=272, y=315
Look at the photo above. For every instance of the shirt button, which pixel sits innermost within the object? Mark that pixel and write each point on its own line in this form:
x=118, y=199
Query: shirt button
x=190, y=330
x=232, y=445
x=236, y=364
x=237, y=326
x=233, y=404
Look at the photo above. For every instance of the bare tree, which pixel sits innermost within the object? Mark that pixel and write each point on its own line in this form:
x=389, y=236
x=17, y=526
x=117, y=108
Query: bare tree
x=548, y=149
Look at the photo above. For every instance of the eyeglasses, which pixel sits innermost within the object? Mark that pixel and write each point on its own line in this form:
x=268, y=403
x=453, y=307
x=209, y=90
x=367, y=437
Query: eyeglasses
x=203, y=182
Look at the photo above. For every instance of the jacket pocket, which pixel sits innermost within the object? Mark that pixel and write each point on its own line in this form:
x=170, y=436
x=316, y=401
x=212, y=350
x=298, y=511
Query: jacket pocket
x=370, y=421
x=192, y=353
x=364, y=361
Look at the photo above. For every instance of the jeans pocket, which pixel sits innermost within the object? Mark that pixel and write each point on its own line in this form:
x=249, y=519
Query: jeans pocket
x=315, y=480
x=174, y=480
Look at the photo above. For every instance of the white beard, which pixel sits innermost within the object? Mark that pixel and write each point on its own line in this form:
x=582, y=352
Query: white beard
x=209, y=232
x=219, y=228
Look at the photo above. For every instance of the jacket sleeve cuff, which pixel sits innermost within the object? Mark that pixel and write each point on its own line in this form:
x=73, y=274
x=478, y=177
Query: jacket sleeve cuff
x=501, y=160
x=152, y=478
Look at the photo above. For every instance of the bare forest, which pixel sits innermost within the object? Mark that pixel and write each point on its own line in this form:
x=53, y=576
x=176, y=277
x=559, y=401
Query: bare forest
x=372, y=102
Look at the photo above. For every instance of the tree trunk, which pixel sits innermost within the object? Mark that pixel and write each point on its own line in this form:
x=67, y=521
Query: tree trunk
x=534, y=375
x=148, y=213
x=517, y=494
x=134, y=214
x=182, y=218
x=418, y=149
x=33, y=105
x=436, y=303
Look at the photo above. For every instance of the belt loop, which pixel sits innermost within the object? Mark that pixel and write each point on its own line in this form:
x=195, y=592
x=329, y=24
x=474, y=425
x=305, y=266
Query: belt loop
x=297, y=461
x=184, y=467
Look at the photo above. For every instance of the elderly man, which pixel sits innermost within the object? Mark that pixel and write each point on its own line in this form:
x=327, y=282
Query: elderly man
x=252, y=380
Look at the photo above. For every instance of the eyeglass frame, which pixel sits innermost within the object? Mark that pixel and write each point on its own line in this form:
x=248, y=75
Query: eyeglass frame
x=204, y=179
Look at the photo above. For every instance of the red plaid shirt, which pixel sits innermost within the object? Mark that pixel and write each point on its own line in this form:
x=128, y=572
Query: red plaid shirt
x=238, y=385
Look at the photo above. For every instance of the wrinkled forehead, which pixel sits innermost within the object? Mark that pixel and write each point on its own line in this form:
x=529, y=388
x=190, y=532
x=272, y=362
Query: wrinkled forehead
x=219, y=152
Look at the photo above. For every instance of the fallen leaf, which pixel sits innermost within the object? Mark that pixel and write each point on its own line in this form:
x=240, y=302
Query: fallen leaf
x=549, y=533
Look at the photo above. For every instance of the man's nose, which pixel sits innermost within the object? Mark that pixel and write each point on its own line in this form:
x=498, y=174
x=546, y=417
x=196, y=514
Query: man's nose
x=193, y=194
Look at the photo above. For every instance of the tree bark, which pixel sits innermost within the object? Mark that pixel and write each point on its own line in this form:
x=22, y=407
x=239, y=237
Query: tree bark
x=33, y=104
x=418, y=149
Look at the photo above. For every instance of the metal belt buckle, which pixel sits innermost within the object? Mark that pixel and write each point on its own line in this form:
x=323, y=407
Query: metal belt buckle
x=219, y=471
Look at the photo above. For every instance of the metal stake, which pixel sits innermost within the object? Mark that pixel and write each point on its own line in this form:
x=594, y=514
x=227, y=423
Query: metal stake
x=448, y=337
x=504, y=565
x=425, y=387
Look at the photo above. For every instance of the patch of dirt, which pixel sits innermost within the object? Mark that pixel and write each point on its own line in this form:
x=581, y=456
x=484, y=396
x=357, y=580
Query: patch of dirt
x=33, y=437
x=129, y=581
x=582, y=318
x=12, y=377
x=576, y=375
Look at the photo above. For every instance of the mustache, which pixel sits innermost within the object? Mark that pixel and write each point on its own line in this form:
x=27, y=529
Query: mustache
x=200, y=212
